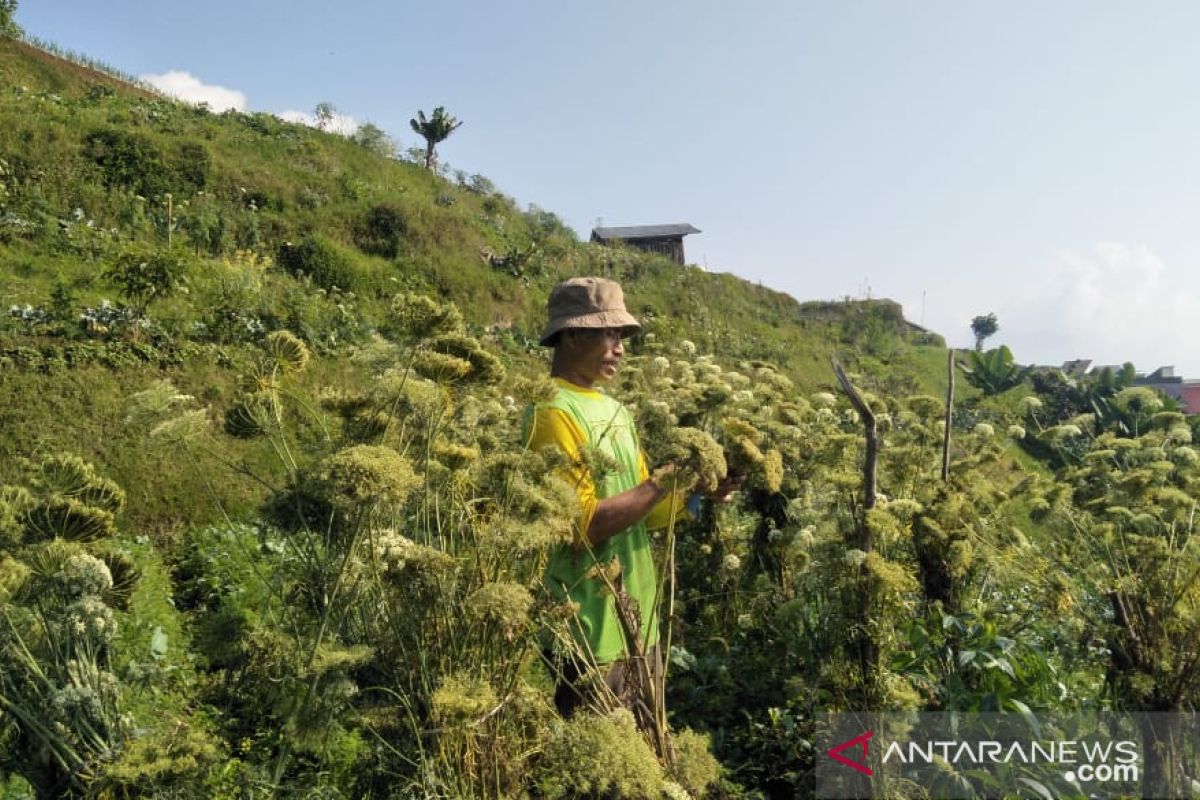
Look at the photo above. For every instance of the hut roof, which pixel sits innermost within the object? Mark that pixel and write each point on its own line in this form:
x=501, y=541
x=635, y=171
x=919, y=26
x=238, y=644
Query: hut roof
x=630, y=232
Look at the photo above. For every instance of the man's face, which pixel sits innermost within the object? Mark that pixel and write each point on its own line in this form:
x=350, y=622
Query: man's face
x=595, y=353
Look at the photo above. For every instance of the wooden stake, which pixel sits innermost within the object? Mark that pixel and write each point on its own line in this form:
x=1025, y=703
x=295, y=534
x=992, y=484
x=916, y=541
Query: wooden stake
x=868, y=650
x=949, y=417
x=868, y=419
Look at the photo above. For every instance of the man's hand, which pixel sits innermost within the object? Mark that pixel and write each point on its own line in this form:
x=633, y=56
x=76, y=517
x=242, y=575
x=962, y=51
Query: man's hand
x=724, y=491
x=670, y=476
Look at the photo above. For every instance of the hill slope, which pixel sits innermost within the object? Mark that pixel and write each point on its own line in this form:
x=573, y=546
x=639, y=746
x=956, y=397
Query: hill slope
x=276, y=225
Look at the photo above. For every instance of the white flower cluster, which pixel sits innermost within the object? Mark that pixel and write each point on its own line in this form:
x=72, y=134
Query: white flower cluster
x=824, y=400
x=83, y=575
x=659, y=407
x=74, y=701
x=807, y=536
x=86, y=695
x=1066, y=431
x=1180, y=434
x=855, y=557
x=392, y=549
x=29, y=314
x=1185, y=455
x=89, y=618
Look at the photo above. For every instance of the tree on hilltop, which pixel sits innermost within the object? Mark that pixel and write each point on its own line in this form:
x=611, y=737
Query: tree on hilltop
x=323, y=114
x=8, y=23
x=373, y=138
x=983, y=326
x=433, y=130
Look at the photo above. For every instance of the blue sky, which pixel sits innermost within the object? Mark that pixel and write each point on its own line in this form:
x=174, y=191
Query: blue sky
x=1037, y=160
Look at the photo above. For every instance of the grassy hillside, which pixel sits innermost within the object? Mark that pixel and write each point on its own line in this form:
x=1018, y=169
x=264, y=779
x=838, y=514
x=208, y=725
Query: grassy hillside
x=276, y=225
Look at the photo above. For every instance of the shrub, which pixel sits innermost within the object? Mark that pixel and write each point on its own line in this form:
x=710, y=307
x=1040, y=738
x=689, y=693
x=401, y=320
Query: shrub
x=144, y=276
x=134, y=161
x=480, y=184
x=130, y=160
x=193, y=165
x=373, y=138
x=381, y=231
x=593, y=756
x=320, y=259
x=695, y=768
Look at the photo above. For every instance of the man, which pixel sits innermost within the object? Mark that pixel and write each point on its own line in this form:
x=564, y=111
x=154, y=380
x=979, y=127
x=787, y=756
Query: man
x=610, y=571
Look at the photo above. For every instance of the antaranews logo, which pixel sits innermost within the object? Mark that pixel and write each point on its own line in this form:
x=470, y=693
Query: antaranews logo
x=985, y=755
x=863, y=740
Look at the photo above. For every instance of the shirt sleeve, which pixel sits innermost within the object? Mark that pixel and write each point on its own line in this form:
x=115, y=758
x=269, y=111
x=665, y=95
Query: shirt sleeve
x=673, y=506
x=554, y=427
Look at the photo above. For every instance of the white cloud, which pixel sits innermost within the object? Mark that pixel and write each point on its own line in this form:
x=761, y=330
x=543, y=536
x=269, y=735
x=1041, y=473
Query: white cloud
x=339, y=123
x=1111, y=303
x=190, y=89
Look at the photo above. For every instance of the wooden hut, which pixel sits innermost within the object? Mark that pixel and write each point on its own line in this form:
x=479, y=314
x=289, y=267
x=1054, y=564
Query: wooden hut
x=664, y=239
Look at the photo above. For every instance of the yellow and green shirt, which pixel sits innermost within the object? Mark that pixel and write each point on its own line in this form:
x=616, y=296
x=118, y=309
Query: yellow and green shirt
x=580, y=419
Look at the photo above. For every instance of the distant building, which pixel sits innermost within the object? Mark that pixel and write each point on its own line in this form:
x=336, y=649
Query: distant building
x=666, y=240
x=1076, y=368
x=1164, y=380
x=1191, y=396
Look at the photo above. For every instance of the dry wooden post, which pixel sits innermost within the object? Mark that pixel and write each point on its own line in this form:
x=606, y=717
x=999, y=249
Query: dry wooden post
x=868, y=419
x=868, y=652
x=949, y=417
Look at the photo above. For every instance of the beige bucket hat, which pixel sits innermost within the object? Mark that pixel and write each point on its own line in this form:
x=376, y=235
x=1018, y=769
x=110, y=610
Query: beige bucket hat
x=588, y=303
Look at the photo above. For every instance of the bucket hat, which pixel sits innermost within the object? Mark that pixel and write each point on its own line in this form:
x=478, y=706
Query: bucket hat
x=588, y=303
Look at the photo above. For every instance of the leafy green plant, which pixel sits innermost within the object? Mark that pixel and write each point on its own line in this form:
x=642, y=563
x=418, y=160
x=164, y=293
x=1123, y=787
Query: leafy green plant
x=319, y=259
x=963, y=663
x=144, y=276
x=993, y=371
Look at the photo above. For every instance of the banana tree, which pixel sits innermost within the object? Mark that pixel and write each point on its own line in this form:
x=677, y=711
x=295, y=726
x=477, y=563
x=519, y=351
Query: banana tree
x=993, y=371
x=434, y=130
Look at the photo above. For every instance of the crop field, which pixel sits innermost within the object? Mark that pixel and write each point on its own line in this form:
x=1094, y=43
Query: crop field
x=268, y=527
